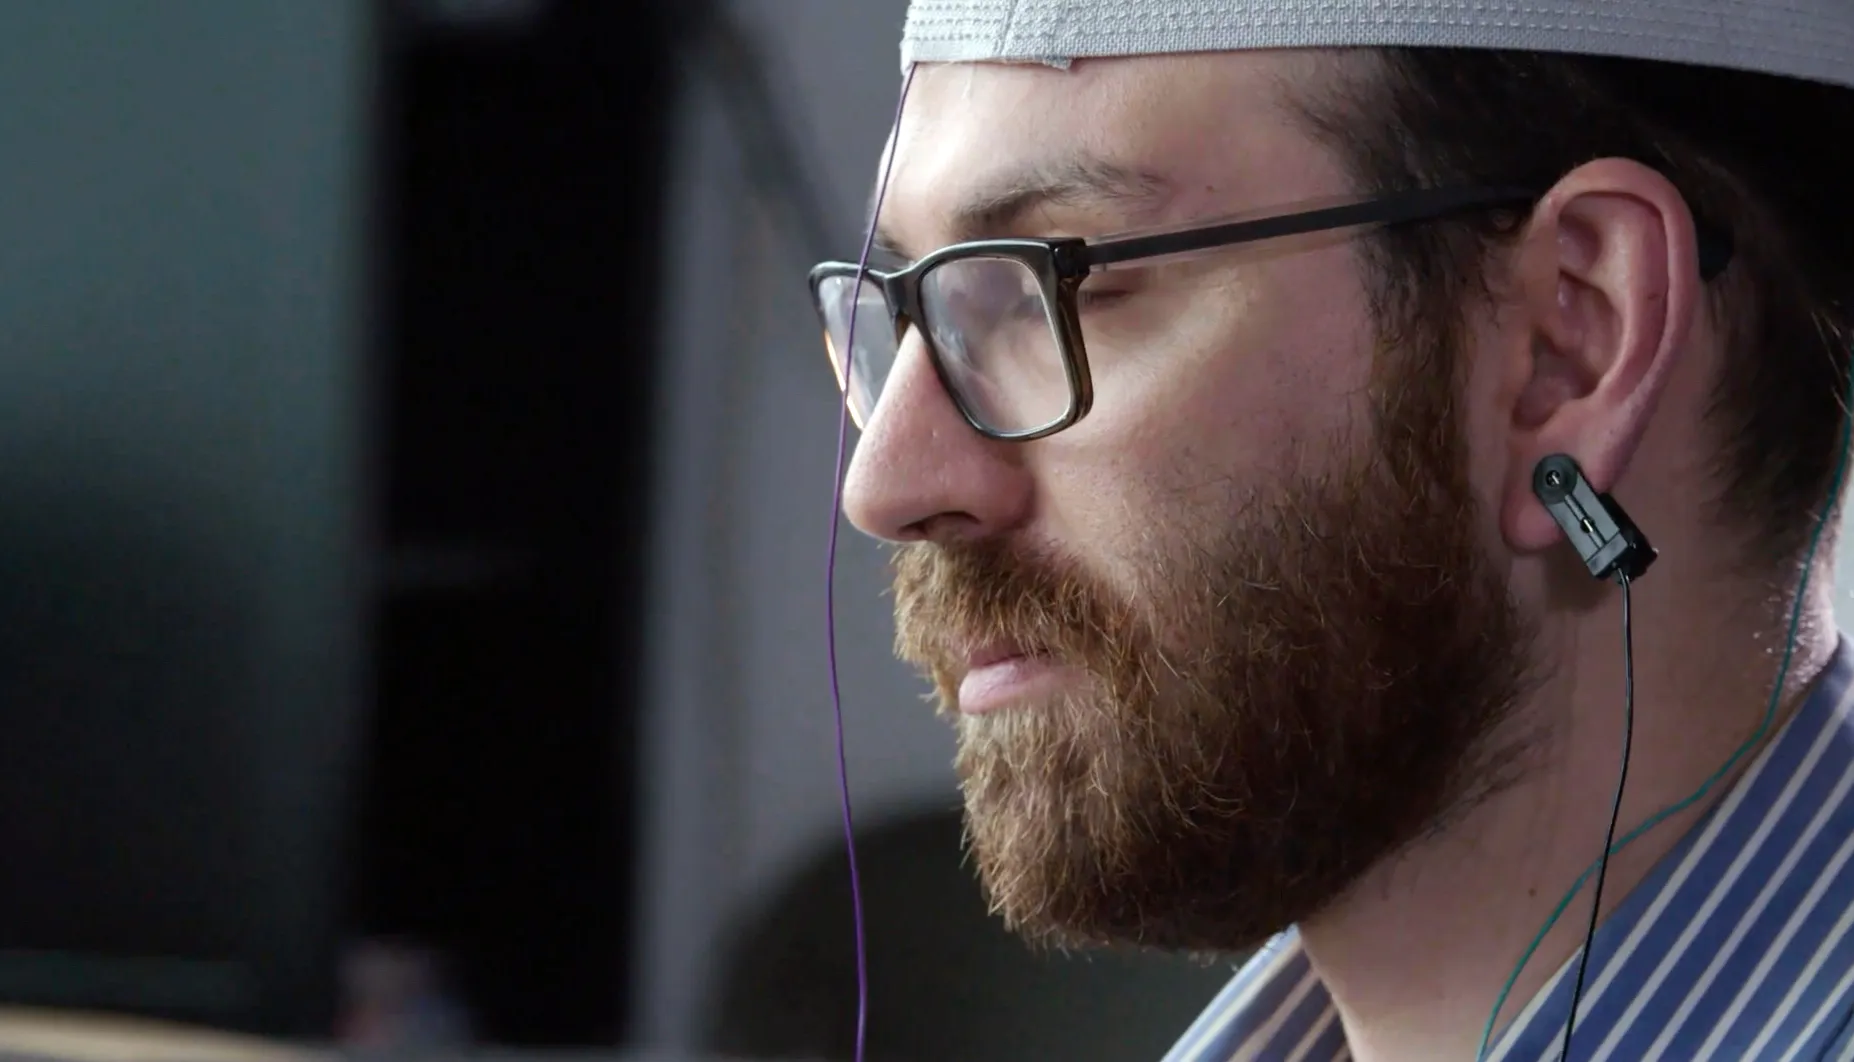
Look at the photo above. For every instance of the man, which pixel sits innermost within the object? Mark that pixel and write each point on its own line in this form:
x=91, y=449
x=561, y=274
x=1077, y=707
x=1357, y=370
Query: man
x=1229, y=564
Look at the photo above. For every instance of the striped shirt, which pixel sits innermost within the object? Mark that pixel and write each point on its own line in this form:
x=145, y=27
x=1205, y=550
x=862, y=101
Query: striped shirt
x=1736, y=947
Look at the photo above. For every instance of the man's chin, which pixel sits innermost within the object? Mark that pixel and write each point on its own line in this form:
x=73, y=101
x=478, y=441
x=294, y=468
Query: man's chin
x=1058, y=887
x=1081, y=916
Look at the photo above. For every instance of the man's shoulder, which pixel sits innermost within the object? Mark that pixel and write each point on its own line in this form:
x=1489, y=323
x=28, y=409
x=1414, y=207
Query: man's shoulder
x=1273, y=1007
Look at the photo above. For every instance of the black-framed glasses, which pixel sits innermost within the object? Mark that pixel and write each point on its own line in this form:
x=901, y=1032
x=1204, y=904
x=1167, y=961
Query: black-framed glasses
x=999, y=318
x=1000, y=321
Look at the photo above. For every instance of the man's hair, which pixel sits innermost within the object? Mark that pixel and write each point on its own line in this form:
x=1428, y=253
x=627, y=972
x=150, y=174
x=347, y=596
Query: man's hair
x=1756, y=156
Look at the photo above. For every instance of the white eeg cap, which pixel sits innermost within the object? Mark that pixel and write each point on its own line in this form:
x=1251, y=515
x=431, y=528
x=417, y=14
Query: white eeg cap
x=1812, y=39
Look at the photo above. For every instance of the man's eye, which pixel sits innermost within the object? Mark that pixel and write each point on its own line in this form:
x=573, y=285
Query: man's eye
x=1099, y=299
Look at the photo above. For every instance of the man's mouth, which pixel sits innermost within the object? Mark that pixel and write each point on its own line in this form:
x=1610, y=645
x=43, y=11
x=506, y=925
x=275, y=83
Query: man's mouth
x=1001, y=676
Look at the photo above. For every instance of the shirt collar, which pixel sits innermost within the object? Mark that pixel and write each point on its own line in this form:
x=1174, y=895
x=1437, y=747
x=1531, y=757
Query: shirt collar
x=1737, y=944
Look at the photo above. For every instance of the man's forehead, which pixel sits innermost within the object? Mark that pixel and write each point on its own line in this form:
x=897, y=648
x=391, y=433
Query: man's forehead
x=1087, y=95
x=983, y=146
x=1004, y=201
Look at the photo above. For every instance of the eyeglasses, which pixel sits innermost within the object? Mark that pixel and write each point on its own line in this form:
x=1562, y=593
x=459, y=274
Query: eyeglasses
x=999, y=318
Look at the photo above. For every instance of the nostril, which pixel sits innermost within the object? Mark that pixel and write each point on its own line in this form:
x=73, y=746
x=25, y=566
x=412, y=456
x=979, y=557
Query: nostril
x=944, y=528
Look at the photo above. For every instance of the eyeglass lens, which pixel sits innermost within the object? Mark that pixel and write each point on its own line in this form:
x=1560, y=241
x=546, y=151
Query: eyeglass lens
x=990, y=326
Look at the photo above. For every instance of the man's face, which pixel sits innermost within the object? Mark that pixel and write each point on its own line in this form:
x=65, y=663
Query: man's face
x=1258, y=641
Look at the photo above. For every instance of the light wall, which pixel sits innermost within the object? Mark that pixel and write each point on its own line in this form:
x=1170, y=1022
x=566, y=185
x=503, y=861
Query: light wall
x=741, y=746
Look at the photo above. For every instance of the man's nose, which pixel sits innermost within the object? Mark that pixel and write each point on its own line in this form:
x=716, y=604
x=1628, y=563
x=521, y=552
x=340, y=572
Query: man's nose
x=920, y=472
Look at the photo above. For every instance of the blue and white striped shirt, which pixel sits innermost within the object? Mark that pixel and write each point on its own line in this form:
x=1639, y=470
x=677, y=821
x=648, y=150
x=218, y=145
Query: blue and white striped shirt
x=1737, y=947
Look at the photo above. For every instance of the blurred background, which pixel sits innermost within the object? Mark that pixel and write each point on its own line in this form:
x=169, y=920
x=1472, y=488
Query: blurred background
x=416, y=451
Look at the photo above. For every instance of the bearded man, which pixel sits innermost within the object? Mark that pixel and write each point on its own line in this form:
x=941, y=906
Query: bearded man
x=1203, y=365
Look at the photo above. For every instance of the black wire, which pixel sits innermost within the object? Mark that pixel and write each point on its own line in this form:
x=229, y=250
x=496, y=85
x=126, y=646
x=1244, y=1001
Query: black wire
x=1615, y=813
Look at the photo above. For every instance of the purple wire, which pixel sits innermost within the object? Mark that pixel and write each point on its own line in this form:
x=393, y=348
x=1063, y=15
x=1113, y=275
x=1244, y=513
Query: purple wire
x=830, y=592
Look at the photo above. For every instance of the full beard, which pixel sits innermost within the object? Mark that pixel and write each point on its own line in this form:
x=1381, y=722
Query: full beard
x=1277, y=707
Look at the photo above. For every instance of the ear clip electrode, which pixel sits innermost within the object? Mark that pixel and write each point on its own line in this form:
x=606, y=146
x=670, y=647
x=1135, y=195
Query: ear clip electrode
x=1604, y=536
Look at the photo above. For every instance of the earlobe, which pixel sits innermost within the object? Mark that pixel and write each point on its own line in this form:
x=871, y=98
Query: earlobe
x=1528, y=527
x=1610, y=292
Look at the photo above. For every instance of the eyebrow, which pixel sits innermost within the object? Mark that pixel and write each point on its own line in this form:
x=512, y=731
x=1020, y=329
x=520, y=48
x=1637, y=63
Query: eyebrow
x=1000, y=207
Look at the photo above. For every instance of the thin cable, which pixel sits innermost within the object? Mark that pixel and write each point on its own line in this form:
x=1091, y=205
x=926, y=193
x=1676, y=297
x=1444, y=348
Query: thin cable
x=1757, y=737
x=1615, y=813
x=830, y=599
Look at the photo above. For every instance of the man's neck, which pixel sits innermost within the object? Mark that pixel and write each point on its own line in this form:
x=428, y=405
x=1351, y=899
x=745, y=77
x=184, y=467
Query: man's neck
x=1415, y=956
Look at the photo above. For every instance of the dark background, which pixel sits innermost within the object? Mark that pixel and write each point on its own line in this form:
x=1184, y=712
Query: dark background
x=522, y=180
x=299, y=644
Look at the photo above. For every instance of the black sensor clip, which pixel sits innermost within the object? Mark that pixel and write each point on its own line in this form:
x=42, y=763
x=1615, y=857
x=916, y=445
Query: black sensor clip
x=1604, y=536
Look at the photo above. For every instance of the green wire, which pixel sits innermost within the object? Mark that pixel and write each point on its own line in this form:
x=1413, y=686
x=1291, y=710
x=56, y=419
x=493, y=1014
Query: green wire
x=1770, y=715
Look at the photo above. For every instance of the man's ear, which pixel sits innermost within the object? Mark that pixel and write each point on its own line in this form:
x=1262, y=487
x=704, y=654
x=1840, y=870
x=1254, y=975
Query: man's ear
x=1607, y=280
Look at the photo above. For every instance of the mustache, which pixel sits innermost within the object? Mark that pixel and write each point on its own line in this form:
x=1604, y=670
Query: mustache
x=954, y=598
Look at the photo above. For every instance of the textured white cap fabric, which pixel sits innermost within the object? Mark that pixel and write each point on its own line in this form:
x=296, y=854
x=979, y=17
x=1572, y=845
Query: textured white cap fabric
x=1811, y=39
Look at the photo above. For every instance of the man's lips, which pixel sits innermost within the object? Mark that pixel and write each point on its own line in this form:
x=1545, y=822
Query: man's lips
x=998, y=676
